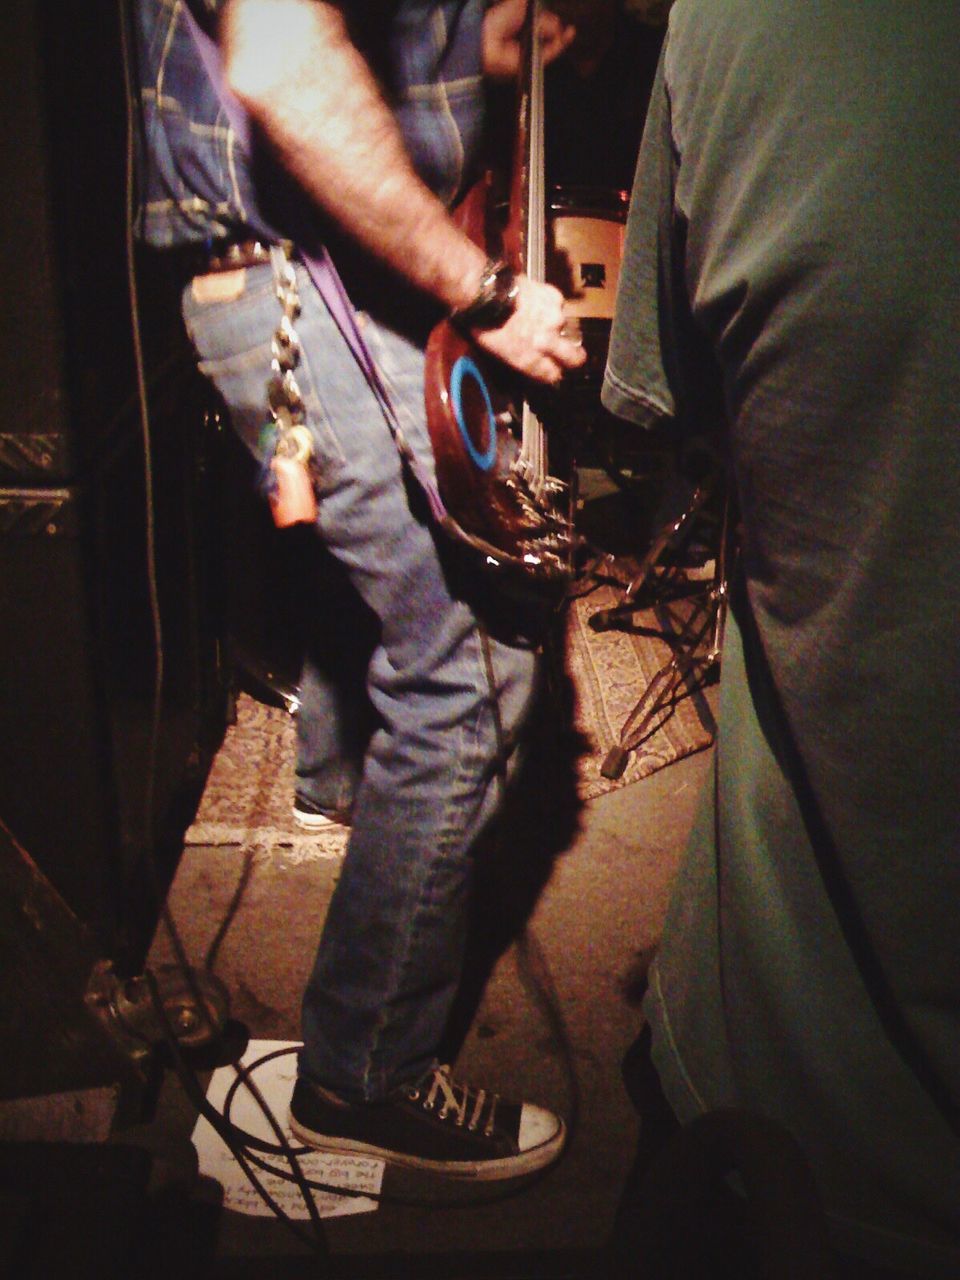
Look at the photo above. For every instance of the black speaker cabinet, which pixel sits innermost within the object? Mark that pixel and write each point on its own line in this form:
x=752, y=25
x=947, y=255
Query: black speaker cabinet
x=65, y=349
x=93, y=770
x=92, y=766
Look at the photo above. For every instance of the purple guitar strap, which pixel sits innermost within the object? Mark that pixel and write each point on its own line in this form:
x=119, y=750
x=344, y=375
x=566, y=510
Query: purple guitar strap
x=322, y=271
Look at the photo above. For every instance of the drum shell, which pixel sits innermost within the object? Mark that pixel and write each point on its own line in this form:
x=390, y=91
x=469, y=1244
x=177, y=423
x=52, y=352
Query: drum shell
x=586, y=228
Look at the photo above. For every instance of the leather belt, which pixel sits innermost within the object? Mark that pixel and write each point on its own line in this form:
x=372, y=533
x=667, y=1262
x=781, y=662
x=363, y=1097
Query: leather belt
x=234, y=255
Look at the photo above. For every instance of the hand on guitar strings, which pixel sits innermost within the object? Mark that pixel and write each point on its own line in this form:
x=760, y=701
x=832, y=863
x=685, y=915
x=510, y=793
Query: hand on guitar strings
x=537, y=340
x=502, y=26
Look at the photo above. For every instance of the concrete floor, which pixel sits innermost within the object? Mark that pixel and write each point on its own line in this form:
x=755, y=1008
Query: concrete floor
x=550, y=1007
x=556, y=1016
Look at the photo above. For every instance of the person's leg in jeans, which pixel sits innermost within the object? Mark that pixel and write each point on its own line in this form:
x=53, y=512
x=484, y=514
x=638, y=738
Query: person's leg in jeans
x=327, y=772
x=444, y=691
x=334, y=718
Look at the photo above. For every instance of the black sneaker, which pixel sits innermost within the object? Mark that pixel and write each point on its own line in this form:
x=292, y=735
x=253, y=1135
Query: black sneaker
x=438, y=1125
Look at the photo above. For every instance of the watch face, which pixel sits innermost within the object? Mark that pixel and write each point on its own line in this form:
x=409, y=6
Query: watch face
x=505, y=293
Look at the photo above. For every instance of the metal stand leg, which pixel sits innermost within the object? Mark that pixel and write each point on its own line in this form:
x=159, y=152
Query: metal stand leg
x=669, y=535
x=697, y=643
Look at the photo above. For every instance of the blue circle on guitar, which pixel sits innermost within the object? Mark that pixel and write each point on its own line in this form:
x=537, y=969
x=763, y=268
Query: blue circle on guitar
x=465, y=368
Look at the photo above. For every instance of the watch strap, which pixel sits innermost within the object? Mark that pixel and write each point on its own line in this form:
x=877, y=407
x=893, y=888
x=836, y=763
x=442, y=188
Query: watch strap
x=495, y=300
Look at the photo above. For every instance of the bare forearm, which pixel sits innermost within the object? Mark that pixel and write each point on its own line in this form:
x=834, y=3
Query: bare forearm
x=293, y=65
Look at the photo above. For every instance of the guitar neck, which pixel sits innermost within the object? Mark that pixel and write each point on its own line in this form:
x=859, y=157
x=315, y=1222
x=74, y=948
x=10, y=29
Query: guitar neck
x=536, y=196
x=525, y=236
x=530, y=167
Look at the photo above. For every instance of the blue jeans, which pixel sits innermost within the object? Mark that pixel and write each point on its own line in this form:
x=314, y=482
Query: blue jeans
x=390, y=955
x=328, y=757
x=334, y=719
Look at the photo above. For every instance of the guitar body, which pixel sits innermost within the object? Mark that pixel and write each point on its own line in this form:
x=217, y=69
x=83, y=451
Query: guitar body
x=488, y=443
x=475, y=429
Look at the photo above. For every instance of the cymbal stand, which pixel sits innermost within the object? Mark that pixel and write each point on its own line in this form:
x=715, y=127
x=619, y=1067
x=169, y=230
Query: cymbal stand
x=697, y=643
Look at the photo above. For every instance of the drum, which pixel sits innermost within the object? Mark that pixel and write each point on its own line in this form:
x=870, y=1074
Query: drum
x=586, y=227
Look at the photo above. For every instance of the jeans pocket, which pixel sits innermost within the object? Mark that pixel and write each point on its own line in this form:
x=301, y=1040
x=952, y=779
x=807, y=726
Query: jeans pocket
x=233, y=339
x=239, y=316
x=241, y=380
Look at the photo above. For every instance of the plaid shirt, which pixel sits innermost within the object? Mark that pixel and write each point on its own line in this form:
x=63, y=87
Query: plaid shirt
x=196, y=183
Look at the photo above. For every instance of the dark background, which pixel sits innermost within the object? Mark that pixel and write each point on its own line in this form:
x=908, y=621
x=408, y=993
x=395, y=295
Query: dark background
x=91, y=779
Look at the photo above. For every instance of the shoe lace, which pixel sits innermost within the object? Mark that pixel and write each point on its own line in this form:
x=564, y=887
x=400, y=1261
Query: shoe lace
x=460, y=1101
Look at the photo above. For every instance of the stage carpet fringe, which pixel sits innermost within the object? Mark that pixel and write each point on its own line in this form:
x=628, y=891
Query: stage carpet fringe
x=248, y=797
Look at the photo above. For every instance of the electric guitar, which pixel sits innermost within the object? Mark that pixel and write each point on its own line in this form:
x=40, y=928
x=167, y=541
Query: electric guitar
x=489, y=444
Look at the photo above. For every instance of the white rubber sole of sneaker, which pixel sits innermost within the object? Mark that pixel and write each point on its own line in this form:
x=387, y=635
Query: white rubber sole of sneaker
x=528, y=1162
x=315, y=821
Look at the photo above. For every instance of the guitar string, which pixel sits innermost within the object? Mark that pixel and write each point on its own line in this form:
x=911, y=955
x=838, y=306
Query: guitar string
x=533, y=448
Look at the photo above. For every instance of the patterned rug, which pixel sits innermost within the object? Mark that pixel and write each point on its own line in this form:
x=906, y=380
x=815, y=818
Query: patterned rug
x=610, y=672
x=248, y=797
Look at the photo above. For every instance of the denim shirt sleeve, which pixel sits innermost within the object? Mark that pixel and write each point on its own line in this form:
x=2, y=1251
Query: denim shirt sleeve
x=438, y=89
x=194, y=179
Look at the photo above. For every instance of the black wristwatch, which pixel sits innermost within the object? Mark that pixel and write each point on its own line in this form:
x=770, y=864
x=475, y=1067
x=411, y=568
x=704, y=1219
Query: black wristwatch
x=495, y=302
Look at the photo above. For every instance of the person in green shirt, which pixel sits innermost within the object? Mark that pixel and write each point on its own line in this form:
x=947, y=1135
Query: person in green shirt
x=791, y=277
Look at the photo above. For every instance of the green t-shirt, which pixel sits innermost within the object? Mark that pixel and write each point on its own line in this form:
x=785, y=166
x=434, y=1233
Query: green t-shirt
x=793, y=264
